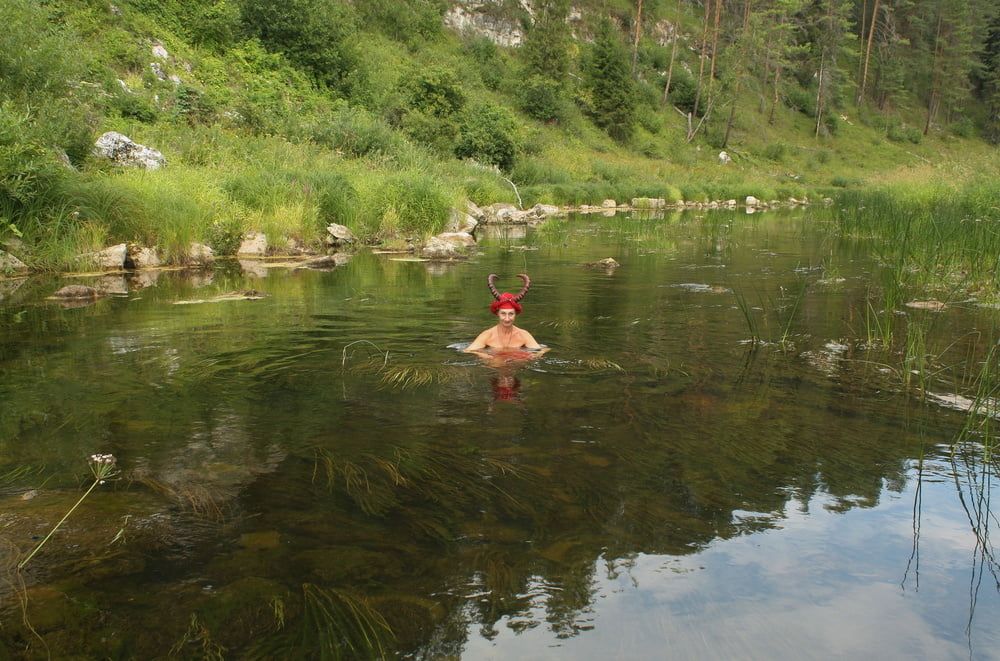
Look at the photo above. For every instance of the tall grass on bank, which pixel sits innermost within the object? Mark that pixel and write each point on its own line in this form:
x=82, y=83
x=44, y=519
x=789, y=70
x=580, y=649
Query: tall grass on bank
x=935, y=234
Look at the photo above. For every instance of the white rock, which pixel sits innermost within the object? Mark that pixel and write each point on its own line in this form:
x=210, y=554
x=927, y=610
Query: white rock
x=199, y=254
x=157, y=70
x=724, y=158
x=254, y=243
x=609, y=204
x=544, y=210
x=11, y=264
x=121, y=150
x=338, y=235
x=460, y=221
x=648, y=203
x=752, y=201
x=109, y=258
x=461, y=239
x=473, y=210
x=144, y=258
x=159, y=51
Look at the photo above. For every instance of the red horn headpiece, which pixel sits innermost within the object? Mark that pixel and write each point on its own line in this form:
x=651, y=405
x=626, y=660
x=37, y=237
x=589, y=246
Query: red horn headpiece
x=507, y=300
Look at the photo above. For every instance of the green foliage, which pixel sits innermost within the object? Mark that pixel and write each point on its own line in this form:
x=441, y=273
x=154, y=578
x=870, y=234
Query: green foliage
x=542, y=99
x=610, y=83
x=547, y=40
x=488, y=134
x=775, y=151
x=217, y=25
x=356, y=132
x=898, y=132
x=683, y=90
x=436, y=91
x=488, y=61
x=412, y=22
x=314, y=34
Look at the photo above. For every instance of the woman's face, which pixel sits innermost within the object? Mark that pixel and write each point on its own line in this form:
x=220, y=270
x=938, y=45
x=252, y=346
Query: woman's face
x=506, y=316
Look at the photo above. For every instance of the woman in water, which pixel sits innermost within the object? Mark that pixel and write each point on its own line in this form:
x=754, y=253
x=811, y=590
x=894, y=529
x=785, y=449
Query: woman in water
x=505, y=339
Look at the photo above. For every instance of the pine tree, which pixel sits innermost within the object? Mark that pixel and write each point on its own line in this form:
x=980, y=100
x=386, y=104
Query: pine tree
x=546, y=61
x=612, y=90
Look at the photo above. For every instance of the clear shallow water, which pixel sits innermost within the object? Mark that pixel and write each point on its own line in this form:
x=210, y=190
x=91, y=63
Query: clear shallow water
x=650, y=486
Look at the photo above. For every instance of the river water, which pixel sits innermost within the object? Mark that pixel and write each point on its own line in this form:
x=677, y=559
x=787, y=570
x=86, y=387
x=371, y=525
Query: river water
x=316, y=474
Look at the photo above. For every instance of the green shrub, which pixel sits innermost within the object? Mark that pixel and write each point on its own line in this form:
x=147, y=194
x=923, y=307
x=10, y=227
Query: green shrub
x=542, y=99
x=901, y=133
x=683, y=90
x=490, y=64
x=775, y=151
x=488, y=134
x=355, y=132
x=438, y=133
x=963, y=127
x=436, y=91
x=408, y=202
x=802, y=100
x=315, y=34
x=216, y=25
x=531, y=171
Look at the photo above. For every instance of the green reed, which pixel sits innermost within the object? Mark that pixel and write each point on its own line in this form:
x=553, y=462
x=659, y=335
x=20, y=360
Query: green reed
x=930, y=234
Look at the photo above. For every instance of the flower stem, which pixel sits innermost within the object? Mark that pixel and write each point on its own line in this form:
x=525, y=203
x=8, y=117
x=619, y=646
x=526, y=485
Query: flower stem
x=31, y=555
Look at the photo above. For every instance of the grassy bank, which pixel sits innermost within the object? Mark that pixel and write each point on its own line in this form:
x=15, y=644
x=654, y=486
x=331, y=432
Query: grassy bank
x=260, y=135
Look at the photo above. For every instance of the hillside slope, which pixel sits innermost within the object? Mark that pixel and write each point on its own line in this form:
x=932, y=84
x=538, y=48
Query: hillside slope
x=383, y=115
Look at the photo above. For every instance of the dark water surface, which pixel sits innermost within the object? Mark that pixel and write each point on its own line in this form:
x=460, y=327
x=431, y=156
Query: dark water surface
x=316, y=475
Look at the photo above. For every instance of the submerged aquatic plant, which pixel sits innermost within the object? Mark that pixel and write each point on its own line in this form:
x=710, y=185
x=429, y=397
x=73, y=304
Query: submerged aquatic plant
x=103, y=468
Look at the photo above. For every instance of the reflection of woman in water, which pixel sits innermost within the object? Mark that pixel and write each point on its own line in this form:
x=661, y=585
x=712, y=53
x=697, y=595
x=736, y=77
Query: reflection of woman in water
x=505, y=340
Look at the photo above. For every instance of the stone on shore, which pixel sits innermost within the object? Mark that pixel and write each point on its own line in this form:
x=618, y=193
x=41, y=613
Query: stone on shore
x=200, y=255
x=449, y=245
x=751, y=201
x=648, y=203
x=609, y=204
x=459, y=221
x=254, y=244
x=143, y=257
x=338, y=235
x=109, y=258
x=11, y=264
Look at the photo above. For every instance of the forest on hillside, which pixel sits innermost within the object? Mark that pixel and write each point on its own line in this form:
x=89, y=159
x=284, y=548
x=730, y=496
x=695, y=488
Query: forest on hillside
x=572, y=102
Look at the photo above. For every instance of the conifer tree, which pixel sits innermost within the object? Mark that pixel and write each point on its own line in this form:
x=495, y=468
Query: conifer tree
x=611, y=87
x=546, y=61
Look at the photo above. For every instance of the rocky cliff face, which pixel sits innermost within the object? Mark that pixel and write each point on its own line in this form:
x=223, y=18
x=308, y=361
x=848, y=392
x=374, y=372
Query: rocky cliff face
x=487, y=18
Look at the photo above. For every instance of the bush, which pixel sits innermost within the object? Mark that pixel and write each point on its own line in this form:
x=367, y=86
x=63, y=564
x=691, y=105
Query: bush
x=314, y=34
x=488, y=135
x=683, y=90
x=775, y=151
x=216, y=25
x=437, y=133
x=901, y=133
x=436, y=91
x=489, y=62
x=355, y=132
x=542, y=99
x=963, y=128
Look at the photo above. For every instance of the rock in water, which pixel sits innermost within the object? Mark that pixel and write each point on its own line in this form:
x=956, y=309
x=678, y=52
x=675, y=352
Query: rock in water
x=338, y=235
x=121, y=150
x=76, y=292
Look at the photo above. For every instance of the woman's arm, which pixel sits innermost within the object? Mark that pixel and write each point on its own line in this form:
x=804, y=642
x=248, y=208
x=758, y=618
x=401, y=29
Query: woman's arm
x=529, y=341
x=479, y=343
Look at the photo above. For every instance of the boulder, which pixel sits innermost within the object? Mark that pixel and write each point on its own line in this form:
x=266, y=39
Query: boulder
x=338, y=235
x=460, y=239
x=460, y=221
x=606, y=263
x=731, y=204
x=450, y=245
x=159, y=51
x=200, y=255
x=254, y=243
x=109, y=258
x=544, y=210
x=724, y=158
x=501, y=212
x=609, y=204
x=142, y=257
x=327, y=261
x=752, y=201
x=76, y=292
x=121, y=150
x=11, y=264
x=648, y=203
x=473, y=210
